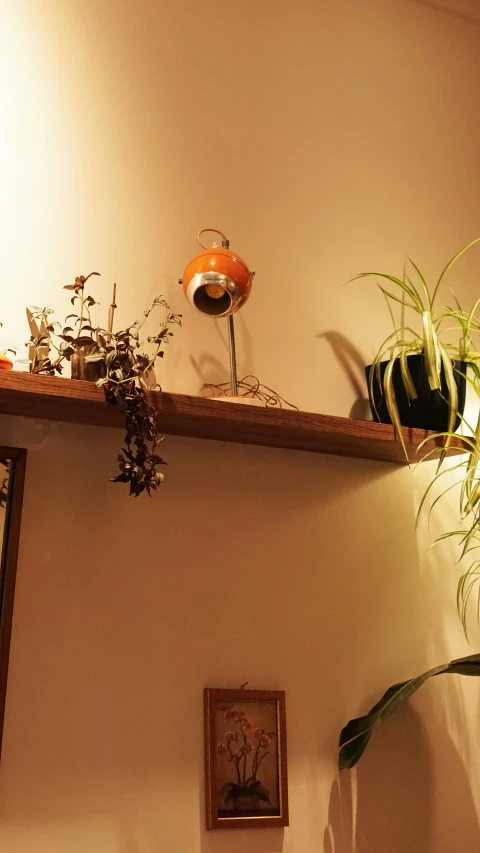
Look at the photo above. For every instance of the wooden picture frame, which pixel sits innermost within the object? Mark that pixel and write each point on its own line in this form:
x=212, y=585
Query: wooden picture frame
x=8, y=563
x=243, y=730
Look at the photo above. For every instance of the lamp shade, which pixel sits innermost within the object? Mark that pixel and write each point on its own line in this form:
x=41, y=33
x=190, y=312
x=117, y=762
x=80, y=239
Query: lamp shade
x=217, y=282
x=6, y=363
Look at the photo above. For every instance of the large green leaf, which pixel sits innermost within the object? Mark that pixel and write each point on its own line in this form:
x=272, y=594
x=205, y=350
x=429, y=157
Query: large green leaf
x=357, y=733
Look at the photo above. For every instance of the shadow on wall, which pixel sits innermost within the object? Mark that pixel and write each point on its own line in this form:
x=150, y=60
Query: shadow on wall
x=210, y=370
x=448, y=9
x=135, y=836
x=353, y=366
x=391, y=801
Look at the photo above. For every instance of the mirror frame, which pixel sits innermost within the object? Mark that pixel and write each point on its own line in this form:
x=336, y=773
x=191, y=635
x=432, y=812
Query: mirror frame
x=11, y=540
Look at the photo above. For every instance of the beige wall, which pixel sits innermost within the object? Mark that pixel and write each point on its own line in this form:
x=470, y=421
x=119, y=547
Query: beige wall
x=324, y=138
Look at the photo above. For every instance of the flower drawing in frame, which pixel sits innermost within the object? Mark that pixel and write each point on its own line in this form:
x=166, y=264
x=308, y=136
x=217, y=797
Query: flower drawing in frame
x=246, y=762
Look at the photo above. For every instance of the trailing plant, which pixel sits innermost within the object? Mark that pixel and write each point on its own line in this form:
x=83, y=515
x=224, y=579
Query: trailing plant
x=129, y=363
x=426, y=336
x=356, y=734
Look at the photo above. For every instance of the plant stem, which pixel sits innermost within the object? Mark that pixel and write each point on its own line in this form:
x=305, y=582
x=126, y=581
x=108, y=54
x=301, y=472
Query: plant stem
x=111, y=312
x=254, y=763
x=260, y=761
x=235, y=761
x=81, y=309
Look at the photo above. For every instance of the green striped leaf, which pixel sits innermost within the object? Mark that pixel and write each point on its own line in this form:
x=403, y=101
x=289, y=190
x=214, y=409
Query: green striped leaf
x=392, y=407
x=407, y=380
x=356, y=734
x=432, y=354
x=450, y=264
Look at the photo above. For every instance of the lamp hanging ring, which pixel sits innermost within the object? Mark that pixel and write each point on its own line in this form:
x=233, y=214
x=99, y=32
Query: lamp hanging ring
x=225, y=240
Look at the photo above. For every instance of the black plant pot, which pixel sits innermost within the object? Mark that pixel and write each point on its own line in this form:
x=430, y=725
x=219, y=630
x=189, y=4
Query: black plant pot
x=88, y=371
x=430, y=410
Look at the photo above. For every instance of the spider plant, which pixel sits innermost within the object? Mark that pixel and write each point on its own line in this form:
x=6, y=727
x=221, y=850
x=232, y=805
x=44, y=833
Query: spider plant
x=422, y=335
x=467, y=485
x=129, y=362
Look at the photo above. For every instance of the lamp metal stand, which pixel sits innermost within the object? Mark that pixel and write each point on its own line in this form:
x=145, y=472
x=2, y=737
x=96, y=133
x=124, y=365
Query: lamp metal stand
x=233, y=358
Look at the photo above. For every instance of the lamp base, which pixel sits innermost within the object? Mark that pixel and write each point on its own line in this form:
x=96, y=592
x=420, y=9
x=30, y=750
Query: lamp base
x=247, y=401
x=255, y=394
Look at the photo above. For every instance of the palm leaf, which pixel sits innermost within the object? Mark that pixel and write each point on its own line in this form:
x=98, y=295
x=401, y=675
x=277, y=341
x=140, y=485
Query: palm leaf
x=356, y=734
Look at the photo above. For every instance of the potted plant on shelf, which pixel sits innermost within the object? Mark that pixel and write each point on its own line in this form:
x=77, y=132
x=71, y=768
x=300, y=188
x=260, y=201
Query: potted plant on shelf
x=121, y=363
x=73, y=341
x=128, y=364
x=417, y=378
x=81, y=338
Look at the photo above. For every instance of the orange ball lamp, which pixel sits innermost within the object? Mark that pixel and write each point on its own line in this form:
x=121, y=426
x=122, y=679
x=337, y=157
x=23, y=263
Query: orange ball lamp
x=6, y=363
x=217, y=282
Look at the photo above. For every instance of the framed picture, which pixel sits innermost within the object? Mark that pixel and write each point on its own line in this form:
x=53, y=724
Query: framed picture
x=12, y=477
x=245, y=758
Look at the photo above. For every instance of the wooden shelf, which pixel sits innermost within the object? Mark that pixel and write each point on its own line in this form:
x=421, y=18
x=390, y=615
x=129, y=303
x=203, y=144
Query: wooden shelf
x=57, y=399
